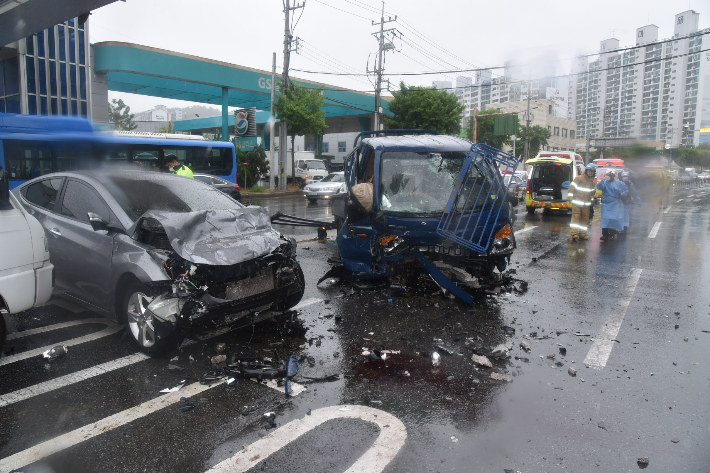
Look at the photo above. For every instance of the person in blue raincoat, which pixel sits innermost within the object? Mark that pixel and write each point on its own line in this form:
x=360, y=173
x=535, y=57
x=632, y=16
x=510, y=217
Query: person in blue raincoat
x=613, y=191
x=634, y=198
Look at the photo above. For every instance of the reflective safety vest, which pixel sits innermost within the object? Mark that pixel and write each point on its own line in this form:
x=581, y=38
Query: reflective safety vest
x=582, y=190
x=182, y=170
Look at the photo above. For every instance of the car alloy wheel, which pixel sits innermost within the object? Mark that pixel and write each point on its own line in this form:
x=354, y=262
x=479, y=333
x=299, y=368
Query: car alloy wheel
x=140, y=322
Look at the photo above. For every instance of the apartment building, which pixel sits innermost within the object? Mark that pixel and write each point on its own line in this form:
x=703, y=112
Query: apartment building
x=652, y=91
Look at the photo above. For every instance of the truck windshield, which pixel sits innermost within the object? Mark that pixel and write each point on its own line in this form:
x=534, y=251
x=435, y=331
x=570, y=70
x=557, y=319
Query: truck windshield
x=315, y=164
x=418, y=182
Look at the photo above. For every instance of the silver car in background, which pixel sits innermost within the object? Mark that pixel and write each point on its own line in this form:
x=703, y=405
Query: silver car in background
x=166, y=255
x=330, y=186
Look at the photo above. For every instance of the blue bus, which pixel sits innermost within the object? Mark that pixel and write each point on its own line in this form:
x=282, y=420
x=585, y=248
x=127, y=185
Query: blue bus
x=31, y=146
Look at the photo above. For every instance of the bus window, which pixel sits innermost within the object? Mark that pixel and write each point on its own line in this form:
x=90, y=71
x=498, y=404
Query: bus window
x=27, y=159
x=74, y=155
x=208, y=160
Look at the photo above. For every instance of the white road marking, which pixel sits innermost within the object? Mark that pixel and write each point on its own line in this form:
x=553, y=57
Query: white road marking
x=679, y=200
x=526, y=229
x=63, y=381
x=392, y=436
x=110, y=329
x=49, y=328
x=654, y=230
x=666, y=211
x=306, y=303
x=691, y=195
x=603, y=343
x=87, y=432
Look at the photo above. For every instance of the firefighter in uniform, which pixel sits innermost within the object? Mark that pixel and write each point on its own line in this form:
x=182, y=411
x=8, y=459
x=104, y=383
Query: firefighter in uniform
x=176, y=167
x=580, y=195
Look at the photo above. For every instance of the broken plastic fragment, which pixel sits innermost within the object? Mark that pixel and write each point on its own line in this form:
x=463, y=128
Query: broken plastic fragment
x=175, y=389
x=572, y=371
x=481, y=361
x=220, y=347
x=501, y=377
x=55, y=352
x=219, y=359
x=435, y=358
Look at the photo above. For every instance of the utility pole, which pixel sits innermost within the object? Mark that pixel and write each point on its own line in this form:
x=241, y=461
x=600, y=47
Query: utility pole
x=378, y=88
x=475, y=125
x=272, y=130
x=527, y=129
x=284, y=84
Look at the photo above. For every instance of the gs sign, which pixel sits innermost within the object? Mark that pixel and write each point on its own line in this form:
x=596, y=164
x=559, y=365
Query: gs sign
x=265, y=83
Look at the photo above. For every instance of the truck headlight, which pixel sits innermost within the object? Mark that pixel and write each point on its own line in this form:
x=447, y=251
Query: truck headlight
x=504, y=240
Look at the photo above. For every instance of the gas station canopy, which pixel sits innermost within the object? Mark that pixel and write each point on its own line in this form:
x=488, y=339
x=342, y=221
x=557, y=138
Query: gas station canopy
x=156, y=72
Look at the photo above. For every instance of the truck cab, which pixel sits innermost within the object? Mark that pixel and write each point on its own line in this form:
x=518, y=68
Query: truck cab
x=416, y=196
x=26, y=274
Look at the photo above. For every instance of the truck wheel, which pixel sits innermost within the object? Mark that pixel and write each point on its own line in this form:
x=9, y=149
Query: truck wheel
x=531, y=210
x=139, y=322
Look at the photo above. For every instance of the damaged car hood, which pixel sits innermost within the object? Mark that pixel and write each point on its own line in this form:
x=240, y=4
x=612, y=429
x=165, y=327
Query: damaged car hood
x=217, y=237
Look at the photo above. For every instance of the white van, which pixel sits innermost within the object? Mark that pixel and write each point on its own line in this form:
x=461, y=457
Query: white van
x=26, y=274
x=308, y=168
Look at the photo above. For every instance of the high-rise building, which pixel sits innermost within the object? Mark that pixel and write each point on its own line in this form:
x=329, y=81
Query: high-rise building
x=48, y=73
x=649, y=92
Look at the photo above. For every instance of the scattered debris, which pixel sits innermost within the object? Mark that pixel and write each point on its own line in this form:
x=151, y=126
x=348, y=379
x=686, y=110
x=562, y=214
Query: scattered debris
x=174, y=367
x=572, y=371
x=551, y=356
x=685, y=339
x=510, y=331
x=501, y=351
x=454, y=439
x=563, y=351
x=524, y=360
x=220, y=347
x=579, y=334
x=643, y=462
x=601, y=425
x=186, y=407
x=174, y=359
x=481, y=361
x=559, y=364
x=560, y=332
x=446, y=350
x=55, y=353
x=525, y=345
x=321, y=379
x=675, y=440
x=501, y=377
x=219, y=359
x=270, y=418
x=435, y=358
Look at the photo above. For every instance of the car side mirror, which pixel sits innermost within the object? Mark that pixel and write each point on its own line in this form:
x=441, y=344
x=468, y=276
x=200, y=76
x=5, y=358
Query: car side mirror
x=96, y=222
x=4, y=191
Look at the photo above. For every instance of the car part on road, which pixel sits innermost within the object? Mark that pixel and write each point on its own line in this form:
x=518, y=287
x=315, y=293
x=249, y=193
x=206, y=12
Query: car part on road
x=54, y=353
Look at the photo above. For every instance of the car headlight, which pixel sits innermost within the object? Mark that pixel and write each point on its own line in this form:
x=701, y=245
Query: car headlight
x=504, y=240
x=342, y=189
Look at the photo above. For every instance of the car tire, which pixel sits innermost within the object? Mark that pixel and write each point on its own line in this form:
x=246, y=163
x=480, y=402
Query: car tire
x=294, y=299
x=313, y=201
x=531, y=210
x=139, y=325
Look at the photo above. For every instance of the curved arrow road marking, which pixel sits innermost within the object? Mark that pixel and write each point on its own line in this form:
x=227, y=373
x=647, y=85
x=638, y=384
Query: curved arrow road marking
x=391, y=439
x=110, y=329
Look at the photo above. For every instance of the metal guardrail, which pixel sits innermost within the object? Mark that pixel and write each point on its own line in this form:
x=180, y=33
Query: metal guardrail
x=473, y=210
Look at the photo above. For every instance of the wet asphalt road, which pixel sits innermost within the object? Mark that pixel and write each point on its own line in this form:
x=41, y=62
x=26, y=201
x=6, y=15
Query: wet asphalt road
x=642, y=395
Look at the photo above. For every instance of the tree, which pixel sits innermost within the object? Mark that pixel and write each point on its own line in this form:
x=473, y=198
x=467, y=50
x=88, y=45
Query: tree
x=169, y=127
x=258, y=165
x=302, y=109
x=424, y=108
x=538, y=138
x=484, y=130
x=120, y=115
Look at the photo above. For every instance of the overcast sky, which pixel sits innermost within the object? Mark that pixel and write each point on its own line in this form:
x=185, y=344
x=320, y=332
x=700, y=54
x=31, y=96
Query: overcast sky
x=336, y=34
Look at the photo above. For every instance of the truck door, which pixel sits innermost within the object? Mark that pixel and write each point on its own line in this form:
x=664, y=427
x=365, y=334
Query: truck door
x=478, y=200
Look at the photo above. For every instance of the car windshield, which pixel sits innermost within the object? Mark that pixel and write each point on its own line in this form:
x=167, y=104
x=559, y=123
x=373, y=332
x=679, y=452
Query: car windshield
x=138, y=194
x=418, y=182
x=333, y=178
x=315, y=164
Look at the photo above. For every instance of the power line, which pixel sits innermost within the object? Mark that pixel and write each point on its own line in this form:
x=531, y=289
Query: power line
x=340, y=9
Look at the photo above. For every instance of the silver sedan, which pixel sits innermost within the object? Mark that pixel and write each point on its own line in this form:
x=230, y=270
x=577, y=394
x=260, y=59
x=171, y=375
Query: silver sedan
x=329, y=187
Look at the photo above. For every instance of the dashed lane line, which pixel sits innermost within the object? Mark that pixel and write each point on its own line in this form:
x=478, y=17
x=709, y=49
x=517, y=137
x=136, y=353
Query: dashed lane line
x=306, y=303
x=49, y=328
x=526, y=229
x=666, y=211
x=654, y=230
x=600, y=351
x=393, y=435
x=110, y=329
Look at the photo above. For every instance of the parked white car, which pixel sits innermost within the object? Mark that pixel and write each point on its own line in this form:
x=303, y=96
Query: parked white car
x=26, y=274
